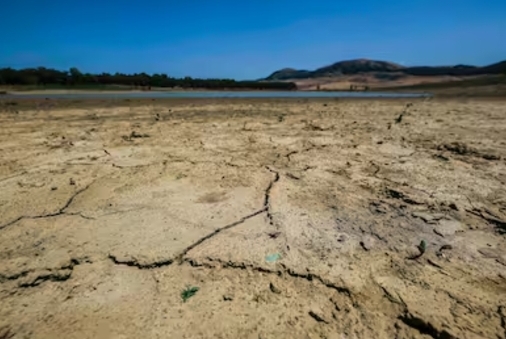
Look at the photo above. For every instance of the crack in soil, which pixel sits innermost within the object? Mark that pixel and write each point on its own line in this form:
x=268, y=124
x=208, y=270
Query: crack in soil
x=80, y=214
x=395, y=299
x=501, y=310
x=424, y=327
x=289, y=154
x=499, y=224
x=61, y=211
x=59, y=274
x=307, y=149
x=135, y=166
x=217, y=231
x=133, y=262
x=16, y=276
x=267, y=199
x=166, y=262
x=243, y=266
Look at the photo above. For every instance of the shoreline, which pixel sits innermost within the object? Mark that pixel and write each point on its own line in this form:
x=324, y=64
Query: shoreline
x=43, y=104
x=123, y=91
x=451, y=92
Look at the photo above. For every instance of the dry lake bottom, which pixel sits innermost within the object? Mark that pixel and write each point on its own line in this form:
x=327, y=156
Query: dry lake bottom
x=294, y=218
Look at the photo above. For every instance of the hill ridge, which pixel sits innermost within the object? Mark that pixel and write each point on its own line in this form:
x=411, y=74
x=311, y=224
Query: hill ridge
x=364, y=65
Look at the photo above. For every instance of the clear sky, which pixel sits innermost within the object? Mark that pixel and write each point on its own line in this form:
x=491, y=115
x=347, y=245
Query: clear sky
x=247, y=39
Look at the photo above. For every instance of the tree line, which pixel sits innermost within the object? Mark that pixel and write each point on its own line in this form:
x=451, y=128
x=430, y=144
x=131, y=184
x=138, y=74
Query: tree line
x=42, y=76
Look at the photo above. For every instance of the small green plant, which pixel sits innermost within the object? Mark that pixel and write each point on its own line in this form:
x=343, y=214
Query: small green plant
x=422, y=247
x=188, y=292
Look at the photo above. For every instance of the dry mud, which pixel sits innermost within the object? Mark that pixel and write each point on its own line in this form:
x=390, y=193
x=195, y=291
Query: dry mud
x=295, y=219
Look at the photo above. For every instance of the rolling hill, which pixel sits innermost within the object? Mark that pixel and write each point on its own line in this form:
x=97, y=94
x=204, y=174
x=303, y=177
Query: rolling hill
x=384, y=69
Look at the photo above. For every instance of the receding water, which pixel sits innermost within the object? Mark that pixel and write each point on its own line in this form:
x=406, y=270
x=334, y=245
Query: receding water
x=215, y=94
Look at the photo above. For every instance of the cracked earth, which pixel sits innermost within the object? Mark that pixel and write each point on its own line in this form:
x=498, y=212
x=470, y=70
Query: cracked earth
x=294, y=218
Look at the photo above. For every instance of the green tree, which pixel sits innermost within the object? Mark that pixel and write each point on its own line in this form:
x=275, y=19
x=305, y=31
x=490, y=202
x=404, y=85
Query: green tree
x=75, y=75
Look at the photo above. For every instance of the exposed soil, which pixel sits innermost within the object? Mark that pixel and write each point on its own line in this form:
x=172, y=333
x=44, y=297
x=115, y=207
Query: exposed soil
x=372, y=80
x=440, y=86
x=293, y=218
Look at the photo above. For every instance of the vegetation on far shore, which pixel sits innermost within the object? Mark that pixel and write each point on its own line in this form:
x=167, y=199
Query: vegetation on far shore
x=47, y=78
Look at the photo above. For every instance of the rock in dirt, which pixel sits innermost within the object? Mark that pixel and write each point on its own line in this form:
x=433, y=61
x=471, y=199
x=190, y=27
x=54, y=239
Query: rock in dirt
x=462, y=149
x=228, y=297
x=397, y=194
x=440, y=253
x=453, y=206
x=378, y=207
x=319, y=126
x=274, y=235
x=457, y=148
x=274, y=289
x=136, y=134
x=448, y=227
x=427, y=217
x=367, y=242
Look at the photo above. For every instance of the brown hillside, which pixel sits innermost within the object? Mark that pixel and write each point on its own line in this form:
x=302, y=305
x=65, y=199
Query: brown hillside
x=381, y=74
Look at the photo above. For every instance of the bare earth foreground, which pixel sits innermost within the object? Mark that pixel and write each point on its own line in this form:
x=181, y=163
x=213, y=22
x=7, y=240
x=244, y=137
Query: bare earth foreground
x=294, y=218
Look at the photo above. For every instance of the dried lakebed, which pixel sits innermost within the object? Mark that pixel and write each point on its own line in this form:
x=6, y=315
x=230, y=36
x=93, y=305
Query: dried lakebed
x=285, y=219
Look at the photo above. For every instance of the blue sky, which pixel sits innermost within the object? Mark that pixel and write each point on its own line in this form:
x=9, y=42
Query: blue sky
x=247, y=39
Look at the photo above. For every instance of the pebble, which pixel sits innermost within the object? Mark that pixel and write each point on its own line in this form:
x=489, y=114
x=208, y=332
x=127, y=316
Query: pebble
x=453, y=206
x=274, y=289
x=342, y=238
x=367, y=242
x=228, y=297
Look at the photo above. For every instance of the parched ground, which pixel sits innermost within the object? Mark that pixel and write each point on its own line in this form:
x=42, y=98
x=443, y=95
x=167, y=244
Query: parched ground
x=373, y=80
x=441, y=86
x=293, y=218
x=437, y=84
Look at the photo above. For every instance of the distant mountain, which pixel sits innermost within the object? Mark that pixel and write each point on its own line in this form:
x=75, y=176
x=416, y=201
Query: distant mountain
x=361, y=66
x=356, y=66
x=288, y=73
x=338, y=68
x=498, y=68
